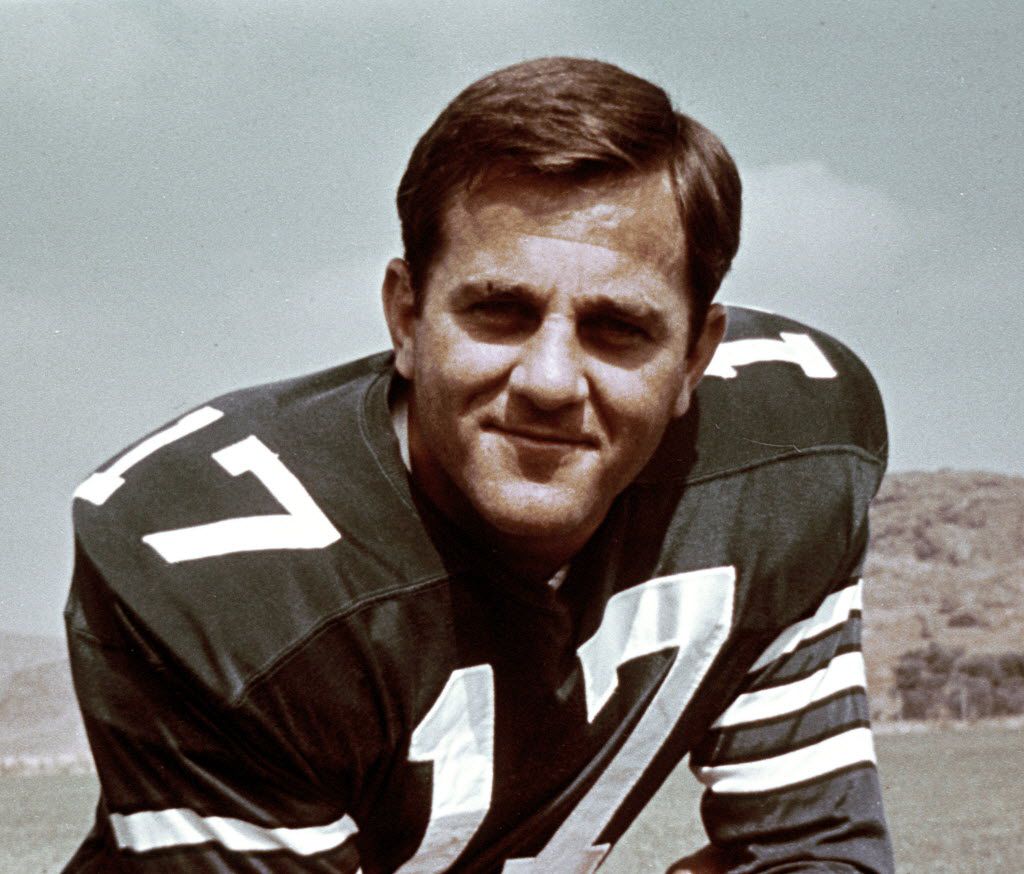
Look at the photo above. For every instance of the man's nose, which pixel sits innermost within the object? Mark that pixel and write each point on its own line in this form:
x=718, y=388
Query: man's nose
x=550, y=370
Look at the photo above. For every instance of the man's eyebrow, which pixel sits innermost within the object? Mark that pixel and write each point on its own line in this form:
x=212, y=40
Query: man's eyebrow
x=636, y=308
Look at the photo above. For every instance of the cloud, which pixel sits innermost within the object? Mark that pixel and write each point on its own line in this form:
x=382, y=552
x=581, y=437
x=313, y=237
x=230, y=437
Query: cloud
x=811, y=237
x=850, y=257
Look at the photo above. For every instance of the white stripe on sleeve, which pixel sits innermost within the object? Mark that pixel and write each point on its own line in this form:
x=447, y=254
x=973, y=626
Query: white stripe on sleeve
x=833, y=612
x=845, y=671
x=849, y=748
x=178, y=827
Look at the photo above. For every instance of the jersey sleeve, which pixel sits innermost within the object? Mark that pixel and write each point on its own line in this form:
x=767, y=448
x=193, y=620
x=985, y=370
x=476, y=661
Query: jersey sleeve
x=789, y=765
x=188, y=782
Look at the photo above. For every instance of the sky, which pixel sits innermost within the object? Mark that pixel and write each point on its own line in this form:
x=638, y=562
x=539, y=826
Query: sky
x=199, y=196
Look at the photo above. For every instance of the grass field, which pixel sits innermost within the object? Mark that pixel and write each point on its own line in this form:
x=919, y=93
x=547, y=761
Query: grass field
x=955, y=801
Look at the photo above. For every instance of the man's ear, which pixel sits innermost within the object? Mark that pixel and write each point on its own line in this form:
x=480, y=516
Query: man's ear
x=701, y=354
x=400, y=314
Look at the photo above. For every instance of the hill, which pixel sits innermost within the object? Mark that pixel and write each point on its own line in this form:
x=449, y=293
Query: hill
x=946, y=567
x=39, y=723
x=19, y=651
x=39, y=717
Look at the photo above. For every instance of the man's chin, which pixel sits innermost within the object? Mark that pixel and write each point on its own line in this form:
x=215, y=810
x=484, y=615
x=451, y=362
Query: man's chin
x=537, y=514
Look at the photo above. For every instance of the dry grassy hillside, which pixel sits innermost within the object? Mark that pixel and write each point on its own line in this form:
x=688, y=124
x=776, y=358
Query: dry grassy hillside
x=38, y=714
x=19, y=651
x=946, y=565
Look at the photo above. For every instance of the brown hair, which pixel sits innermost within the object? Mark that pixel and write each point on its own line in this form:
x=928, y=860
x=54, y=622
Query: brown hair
x=573, y=119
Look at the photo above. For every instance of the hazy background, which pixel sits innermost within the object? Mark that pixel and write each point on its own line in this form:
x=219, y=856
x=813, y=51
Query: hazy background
x=195, y=197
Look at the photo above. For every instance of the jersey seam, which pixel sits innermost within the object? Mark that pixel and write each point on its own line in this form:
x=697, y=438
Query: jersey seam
x=292, y=649
x=366, y=436
x=829, y=449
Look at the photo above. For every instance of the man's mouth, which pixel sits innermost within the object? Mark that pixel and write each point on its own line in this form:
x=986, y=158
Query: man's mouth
x=533, y=437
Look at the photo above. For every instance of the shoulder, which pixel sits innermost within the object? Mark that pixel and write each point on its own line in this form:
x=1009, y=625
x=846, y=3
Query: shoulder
x=235, y=531
x=775, y=389
x=186, y=460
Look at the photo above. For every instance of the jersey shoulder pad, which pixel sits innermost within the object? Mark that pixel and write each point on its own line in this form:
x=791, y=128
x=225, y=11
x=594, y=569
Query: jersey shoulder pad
x=171, y=465
x=774, y=388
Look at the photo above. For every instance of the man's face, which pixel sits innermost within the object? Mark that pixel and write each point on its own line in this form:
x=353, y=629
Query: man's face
x=549, y=355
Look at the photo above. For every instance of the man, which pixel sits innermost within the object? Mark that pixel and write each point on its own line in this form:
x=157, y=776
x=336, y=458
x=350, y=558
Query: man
x=464, y=606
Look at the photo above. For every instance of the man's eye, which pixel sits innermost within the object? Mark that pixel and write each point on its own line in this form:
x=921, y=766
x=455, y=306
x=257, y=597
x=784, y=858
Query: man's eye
x=497, y=313
x=613, y=331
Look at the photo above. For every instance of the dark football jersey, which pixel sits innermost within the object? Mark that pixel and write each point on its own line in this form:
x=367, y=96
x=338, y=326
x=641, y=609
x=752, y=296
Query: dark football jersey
x=287, y=661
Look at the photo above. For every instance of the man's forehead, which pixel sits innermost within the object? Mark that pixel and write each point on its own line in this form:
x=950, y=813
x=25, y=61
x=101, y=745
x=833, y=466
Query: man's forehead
x=634, y=213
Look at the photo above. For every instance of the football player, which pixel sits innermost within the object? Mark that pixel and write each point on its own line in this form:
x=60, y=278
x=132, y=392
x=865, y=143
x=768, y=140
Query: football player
x=463, y=606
